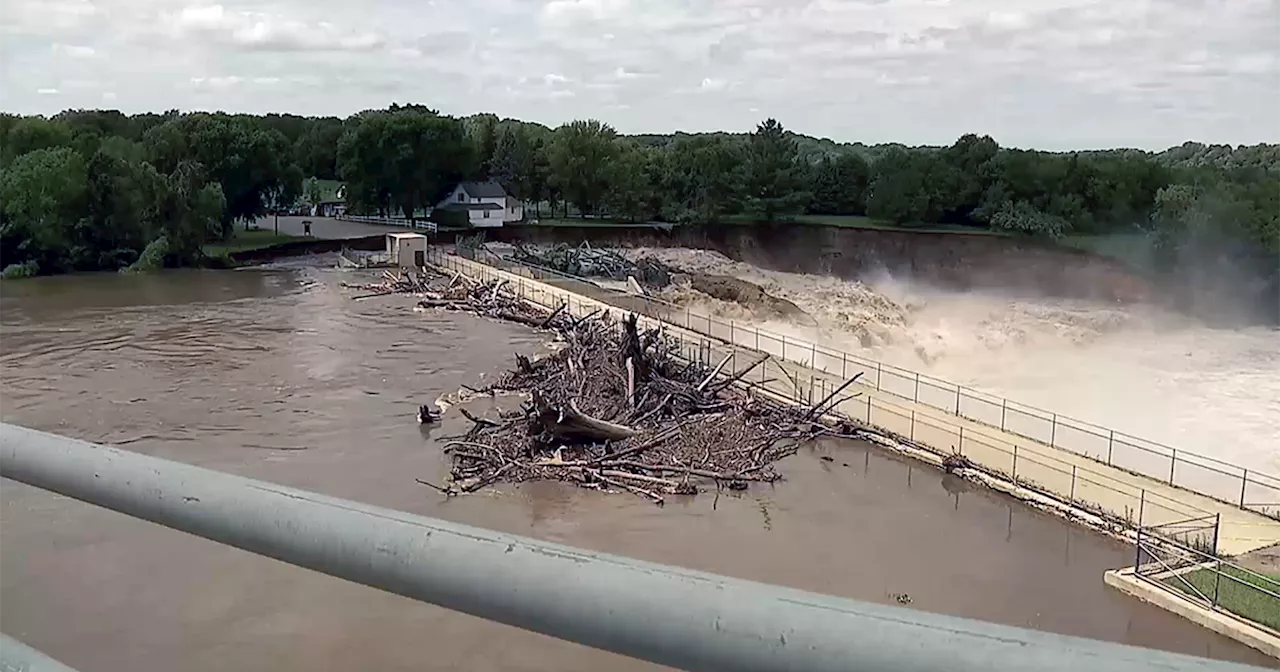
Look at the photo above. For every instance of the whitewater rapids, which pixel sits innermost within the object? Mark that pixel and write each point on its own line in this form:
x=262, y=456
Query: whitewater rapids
x=1137, y=369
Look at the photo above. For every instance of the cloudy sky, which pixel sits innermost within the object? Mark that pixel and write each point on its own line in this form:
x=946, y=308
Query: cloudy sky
x=1055, y=74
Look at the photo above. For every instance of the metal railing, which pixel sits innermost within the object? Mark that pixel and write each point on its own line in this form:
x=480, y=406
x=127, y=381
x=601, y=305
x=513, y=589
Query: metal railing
x=1113, y=500
x=1193, y=573
x=423, y=225
x=1245, y=488
x=663, y=614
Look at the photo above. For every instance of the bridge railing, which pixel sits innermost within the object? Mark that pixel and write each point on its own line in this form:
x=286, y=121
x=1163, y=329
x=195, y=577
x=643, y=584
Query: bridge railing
x=1249, y=489
x=666, y=615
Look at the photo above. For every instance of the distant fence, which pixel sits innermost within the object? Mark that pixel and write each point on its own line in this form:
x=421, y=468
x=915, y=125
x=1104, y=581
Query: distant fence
x=1220, y=480
x=1163, y=558
x=1123, y=504
x=423, y=225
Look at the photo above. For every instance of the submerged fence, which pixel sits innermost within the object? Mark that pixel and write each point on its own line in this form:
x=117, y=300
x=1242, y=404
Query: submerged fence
x=663, y=614
x=1242, y=487
x=1176, y=564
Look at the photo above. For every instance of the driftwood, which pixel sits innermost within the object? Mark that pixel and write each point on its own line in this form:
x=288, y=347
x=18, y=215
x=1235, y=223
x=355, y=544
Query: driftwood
x=567, y=423
x=616, y=408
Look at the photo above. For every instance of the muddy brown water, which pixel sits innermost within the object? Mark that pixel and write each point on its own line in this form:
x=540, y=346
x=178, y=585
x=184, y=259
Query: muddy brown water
x=276, y=374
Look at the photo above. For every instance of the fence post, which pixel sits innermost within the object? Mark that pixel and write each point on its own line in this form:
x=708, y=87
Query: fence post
x=1217, y=580
x=960, y=441
x=912, y=435
x=1053, y=431
x=757, y=338
x=844, y=365
x=1173, y=462
x=1217, y=527
x=916, y=396
x=957, y=401
x=1137, y=553
x=1004, y=406
x=1111, y=442
x=784, y=346
x=813, y=355
x=1244, y=481
x=1073, y=483
x=877, y=375
x=732, y=340
x=869, y=400
x=1015, y=464
x=1142, y=506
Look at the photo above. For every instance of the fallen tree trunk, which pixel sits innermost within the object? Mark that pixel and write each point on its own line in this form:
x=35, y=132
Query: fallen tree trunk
x=567, y=423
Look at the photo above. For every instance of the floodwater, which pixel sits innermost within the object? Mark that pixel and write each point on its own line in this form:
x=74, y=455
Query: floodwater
x=276, y=374
x=1137, y=369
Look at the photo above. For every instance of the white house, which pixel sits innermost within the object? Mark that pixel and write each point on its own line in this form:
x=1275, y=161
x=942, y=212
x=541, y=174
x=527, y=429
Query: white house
x=407, y=250
x=486, y=204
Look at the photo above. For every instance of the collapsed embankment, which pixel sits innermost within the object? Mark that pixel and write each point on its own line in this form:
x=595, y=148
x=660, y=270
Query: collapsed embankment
x=952, y=260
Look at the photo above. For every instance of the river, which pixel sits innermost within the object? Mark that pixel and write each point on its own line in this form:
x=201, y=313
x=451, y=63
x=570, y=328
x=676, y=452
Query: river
x=277, y=374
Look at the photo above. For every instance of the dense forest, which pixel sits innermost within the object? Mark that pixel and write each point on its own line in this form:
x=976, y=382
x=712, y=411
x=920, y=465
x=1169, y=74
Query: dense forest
x=97, y=190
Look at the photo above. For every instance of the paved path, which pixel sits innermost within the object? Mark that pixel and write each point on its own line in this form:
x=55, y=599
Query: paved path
x=327, y=227
x=1066, y=474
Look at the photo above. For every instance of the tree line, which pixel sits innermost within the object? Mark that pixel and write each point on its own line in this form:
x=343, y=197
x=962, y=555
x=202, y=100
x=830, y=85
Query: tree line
x=94, y=190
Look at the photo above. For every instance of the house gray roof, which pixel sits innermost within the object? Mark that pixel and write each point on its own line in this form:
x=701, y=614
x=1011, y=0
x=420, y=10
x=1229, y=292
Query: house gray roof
x=488, y=189
x=472, y=206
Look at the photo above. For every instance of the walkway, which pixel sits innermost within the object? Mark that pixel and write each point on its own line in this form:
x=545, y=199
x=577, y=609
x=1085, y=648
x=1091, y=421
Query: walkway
x=1084, y=481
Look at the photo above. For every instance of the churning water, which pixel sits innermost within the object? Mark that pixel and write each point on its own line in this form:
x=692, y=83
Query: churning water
x=1139, y=370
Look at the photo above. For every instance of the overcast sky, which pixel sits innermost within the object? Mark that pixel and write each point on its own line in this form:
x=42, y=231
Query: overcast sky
x=1055, y=74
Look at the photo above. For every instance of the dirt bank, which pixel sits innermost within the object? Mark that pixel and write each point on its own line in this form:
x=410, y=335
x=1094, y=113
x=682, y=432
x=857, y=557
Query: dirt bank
x=953, y=260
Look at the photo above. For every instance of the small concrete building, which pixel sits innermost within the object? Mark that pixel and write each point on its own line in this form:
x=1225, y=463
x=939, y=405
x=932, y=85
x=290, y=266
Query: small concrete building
x=407, y=250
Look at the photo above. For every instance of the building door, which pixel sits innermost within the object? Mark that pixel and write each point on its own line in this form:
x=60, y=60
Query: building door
x=419, y=258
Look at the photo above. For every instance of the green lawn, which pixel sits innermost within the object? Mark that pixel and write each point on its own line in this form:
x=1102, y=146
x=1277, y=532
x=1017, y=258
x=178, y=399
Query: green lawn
x=250, y=239
x=1239, y=596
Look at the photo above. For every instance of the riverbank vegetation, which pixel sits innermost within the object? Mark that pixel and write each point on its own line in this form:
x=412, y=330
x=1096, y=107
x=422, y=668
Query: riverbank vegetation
x=89, y=190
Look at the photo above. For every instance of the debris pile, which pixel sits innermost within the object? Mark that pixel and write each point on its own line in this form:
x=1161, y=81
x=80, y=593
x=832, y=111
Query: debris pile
x=585, y=261
x=616, y=409
x=394, y=282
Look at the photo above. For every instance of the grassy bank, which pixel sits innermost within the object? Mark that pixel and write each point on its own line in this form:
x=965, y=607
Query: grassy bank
x=1242, y=595
x=248, y=239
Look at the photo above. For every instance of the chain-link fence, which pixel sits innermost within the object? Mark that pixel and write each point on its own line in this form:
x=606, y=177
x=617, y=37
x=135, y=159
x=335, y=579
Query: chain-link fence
x=1176, y=559
x=1113, y=500
x=1246, y=488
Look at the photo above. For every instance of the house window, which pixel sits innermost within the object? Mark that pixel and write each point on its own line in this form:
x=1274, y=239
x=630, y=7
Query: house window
x=486, y=214
x=462, y=196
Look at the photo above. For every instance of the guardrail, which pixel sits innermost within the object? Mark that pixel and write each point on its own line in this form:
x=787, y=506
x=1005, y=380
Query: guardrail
x=1113, y=500
x=1245, y=488
x=423, y=225
x=1187, y=571
x=663, y=614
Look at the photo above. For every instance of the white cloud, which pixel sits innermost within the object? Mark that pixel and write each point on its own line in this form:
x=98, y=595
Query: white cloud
x=1053, y=73
x=75, y=50
x=46, y=92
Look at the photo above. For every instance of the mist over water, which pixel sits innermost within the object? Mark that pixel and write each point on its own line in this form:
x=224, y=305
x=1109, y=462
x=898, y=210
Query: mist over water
x=1138, y=369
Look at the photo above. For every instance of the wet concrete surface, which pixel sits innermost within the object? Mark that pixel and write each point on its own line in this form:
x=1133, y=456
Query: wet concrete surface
x=276, y=374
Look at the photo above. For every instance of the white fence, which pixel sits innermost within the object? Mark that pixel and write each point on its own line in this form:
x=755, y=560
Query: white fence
x=423, y=225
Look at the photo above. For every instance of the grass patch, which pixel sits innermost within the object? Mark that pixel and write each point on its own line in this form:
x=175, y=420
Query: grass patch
x=250, y=239
x=1241, y=595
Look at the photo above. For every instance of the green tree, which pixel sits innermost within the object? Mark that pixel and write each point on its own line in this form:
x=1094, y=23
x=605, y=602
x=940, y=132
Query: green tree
x=42, y=194
x=840, y=185
x=774, y=173
x=705, y=178
x=28, y=134
x=580, y=157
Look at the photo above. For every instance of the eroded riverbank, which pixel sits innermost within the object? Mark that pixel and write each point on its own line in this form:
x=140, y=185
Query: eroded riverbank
x=277, y=374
